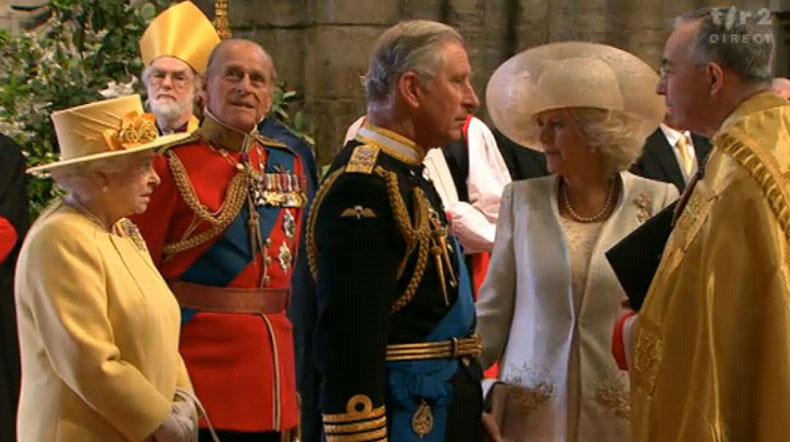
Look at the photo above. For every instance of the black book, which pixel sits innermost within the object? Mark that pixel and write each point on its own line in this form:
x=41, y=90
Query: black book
x=635, y=259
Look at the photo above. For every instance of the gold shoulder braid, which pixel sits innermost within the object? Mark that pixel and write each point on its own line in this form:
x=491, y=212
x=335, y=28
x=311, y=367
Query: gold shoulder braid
x=235, y=196
x=416, y=234
x=312, y=248
x=761, y=170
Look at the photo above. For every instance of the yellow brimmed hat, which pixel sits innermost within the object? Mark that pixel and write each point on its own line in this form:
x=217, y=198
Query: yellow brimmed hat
x=571, y=74
x=104, y=129
x=183, y=32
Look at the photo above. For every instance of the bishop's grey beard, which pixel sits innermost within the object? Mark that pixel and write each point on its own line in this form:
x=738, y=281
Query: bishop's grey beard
x=170, y=112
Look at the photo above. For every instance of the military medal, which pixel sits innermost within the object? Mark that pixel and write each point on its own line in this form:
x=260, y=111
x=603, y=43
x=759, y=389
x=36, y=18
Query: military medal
x=289, y=224
x=422, y=421
x=285, y=257
x=441, y=254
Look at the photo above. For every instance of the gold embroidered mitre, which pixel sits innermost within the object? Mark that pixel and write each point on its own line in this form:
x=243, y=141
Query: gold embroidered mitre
x=183, y=32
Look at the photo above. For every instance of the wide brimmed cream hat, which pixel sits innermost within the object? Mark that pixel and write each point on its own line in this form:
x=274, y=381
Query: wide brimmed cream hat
x=105, y=129
x=180, y=31
x=571, y=74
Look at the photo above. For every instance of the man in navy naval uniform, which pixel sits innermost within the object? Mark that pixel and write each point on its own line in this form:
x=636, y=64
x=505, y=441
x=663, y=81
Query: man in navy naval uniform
x=394, y=337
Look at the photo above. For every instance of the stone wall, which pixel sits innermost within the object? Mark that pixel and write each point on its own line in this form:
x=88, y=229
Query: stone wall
x=321, y=47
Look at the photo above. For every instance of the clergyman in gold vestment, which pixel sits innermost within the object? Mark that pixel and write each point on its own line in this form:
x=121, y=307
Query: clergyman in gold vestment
x=711, y=348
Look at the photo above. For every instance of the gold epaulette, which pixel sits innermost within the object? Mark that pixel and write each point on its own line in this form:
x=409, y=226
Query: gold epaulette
x=764, y=172
x=271, y=142
x=192, y=138
x=360, y=423
x=363, y=159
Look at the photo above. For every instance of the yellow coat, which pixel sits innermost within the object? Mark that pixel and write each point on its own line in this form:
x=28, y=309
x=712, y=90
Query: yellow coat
x=712, y=348
x=98, y=330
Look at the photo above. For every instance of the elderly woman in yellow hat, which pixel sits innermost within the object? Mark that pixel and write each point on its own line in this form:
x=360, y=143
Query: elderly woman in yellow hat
x=98, y=326
x=550, y=299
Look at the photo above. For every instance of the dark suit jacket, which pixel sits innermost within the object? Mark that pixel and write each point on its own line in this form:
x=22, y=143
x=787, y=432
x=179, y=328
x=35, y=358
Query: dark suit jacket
x=14, y=208
x=522, y=162
x=658, y=161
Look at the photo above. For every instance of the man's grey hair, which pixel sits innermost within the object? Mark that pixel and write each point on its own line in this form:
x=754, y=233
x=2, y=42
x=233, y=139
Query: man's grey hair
x=213, y=58
x=408, y=46
x=734, y=39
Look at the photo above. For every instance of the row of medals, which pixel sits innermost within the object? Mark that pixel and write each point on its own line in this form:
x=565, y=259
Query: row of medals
x=278, y=189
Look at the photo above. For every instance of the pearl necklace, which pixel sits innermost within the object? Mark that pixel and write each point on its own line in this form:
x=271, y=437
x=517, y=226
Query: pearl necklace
x=589, y=219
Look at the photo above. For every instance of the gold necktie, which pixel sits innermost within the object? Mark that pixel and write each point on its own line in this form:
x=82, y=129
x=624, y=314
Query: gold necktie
x=686, y=161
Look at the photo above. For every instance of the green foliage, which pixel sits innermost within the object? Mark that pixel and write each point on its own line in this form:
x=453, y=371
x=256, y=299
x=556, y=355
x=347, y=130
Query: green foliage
x=284, y=101
x=82, y=47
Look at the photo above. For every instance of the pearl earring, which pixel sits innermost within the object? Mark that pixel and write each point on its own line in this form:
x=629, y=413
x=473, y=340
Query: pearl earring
x=105, y=188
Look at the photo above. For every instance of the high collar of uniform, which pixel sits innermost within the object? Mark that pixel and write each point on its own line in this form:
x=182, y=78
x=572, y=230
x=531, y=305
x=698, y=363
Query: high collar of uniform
x=394, y=145
x=225, y=137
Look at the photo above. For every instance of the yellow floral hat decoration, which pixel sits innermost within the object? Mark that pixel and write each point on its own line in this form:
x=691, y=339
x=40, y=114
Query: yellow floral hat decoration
x=103, y=129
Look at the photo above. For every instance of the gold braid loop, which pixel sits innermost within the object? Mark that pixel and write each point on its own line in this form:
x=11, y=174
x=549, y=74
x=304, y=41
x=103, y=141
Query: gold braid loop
x=764, y=173
x=312, y=218
x=235, y=196
x=418, y=237
x=423, y=235
x=399, y=211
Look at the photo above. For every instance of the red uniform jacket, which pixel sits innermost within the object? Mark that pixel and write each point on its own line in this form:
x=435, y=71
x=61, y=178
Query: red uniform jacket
x=241, y=365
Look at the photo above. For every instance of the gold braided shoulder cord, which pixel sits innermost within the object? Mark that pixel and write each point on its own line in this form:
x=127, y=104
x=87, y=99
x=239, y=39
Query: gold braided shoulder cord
x=231, y=207
x=312, y=247
x=760, y=170
x=418, y=237
x=420, y=234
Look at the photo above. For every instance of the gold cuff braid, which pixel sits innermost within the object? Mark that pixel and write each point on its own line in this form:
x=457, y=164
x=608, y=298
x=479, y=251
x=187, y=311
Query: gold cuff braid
x=361, y=422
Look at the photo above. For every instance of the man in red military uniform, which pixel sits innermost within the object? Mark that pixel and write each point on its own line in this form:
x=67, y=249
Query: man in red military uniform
x=223, y=227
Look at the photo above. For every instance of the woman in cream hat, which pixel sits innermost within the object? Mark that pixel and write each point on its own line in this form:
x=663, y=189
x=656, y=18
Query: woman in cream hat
x=550, y=300
x=98, y=326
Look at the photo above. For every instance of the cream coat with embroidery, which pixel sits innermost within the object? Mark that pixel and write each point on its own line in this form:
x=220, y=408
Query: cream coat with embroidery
x=98, y=330
x=526, y=312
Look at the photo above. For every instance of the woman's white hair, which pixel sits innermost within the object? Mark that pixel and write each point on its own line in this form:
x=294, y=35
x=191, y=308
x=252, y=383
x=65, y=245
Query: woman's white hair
x=614, y=134
x=79, y=178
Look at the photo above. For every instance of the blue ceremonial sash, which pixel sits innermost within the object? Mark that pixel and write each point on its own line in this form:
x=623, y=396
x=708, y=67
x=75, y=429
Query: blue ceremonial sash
x=231, y=254
x=410, y=382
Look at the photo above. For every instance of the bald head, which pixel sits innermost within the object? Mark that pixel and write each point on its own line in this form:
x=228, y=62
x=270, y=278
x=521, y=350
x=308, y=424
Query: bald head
x=238, y=43
x=239, y=83
x=781, y=87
